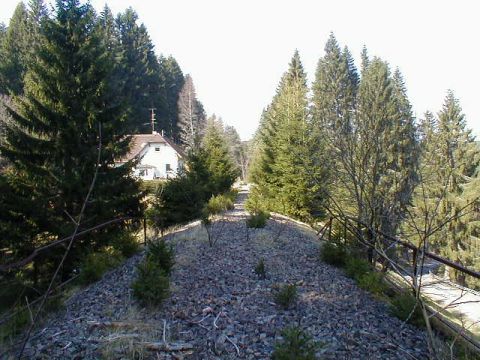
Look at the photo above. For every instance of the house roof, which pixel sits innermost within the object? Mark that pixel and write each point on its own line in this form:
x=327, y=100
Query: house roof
x=140, y=141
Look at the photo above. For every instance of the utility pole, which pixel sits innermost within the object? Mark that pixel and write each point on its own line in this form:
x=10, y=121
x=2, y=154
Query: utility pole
x=152, y=119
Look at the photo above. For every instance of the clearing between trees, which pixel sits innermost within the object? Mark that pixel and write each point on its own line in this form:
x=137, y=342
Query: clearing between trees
x=220, y=308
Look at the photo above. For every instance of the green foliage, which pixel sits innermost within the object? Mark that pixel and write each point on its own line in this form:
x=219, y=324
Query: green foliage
x=286, y=296
x=356, y=267
x=404, y=306
x=283, y=169
x=98, y=263
x=126, y=243
x=333, y=253
x=183, y=198
x=260, y=269
x=219, y=163
x=373, y=282
x=162, y=255
x=152, y=284
x=219, y=203
x=295, y=345
x=70, y=104
x=257, y=220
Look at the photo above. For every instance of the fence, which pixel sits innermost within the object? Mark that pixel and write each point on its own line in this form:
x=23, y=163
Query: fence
x=357, y=228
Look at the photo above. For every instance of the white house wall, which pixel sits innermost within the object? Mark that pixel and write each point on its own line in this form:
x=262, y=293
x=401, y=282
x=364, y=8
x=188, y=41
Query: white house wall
x=159, y=160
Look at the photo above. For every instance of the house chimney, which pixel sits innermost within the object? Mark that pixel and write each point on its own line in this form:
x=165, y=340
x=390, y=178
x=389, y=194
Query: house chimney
x=162, y=134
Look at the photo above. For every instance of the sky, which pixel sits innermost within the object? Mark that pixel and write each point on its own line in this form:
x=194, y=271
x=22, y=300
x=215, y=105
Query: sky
x=236, y=51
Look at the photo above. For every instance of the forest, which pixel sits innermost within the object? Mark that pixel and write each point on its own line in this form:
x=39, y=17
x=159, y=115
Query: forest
x=353, y=148
x=76, y=85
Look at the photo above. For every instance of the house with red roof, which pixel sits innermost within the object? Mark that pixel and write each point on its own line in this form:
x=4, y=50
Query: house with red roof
x=159, y=157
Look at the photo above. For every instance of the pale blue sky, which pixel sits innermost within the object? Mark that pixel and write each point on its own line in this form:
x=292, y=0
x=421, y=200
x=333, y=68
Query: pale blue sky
x=236, y=51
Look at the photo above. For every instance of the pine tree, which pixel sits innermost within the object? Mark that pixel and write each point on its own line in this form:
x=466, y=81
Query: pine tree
x=191, y=116
x=218, y=160
x=140, y=70
x=14, y=52
x=283, y=170
x=386, y=149
x=334, y=100
x=70, y=105
x=446, y=197
x=172, y=80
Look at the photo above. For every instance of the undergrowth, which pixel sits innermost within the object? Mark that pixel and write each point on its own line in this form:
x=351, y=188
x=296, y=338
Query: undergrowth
x=296, y=344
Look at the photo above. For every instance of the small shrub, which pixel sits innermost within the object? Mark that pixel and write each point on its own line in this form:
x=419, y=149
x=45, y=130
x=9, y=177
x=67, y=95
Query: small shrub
x=258, y=220
x=97, y=263
x=356, y=267
x=372, y=282
x=15, y=324
x=260, y=269
x=152, y=284
x=286, y=296
x=402, y=306
x=126, y=244
x=333, y=253
x=162, y=254
x=218, y=204
x=295, y=345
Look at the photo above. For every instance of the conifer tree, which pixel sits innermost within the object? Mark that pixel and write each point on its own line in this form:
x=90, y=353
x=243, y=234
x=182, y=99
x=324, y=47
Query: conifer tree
x=283, y=170
x=70, y=106
x=140, y=71
x=449, y=189
x=172, y=80
x=14, y=52
x=218, y=160
x=334, y=99
x=386, y=149
x=191, y=116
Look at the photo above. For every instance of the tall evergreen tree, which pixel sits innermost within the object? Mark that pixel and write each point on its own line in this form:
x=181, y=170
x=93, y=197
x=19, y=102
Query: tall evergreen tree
x=333, y=107
x=172, y=80
x=140, y=71
x=449, y=190
x=14, y=52
x=69, y=107
x=386, y=149
x=285, y=176
x=218, y=160
x=191, y=116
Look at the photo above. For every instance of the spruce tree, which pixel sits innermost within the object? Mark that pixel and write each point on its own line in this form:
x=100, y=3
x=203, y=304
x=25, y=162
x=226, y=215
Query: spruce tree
x=191, y=116
x=218, y=160
x=172, y=80
x=70, y=106
x=15, y=51
x=140, y=71
x=283, y=172
x=333, y=107
x=449, y=190
x=386, y=149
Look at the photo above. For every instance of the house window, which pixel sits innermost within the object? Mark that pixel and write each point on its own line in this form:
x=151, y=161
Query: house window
x=168, y=167
x=157, y=149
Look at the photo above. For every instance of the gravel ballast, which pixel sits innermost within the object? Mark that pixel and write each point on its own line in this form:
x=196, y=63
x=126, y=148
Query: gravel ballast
x=220, y=309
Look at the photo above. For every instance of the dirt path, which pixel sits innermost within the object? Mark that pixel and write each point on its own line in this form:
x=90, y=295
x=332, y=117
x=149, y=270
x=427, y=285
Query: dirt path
x=220, y=309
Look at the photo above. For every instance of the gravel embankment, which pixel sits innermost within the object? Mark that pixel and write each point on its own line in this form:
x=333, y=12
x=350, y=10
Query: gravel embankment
x=220, y=308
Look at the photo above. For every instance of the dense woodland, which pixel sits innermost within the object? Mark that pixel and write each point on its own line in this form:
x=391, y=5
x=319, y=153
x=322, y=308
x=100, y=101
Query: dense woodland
x=351, y=146
x=75, y=85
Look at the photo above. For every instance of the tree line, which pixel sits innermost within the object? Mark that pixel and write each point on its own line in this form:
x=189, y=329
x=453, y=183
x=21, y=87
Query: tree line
x=350, y=145
x=75, y=86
